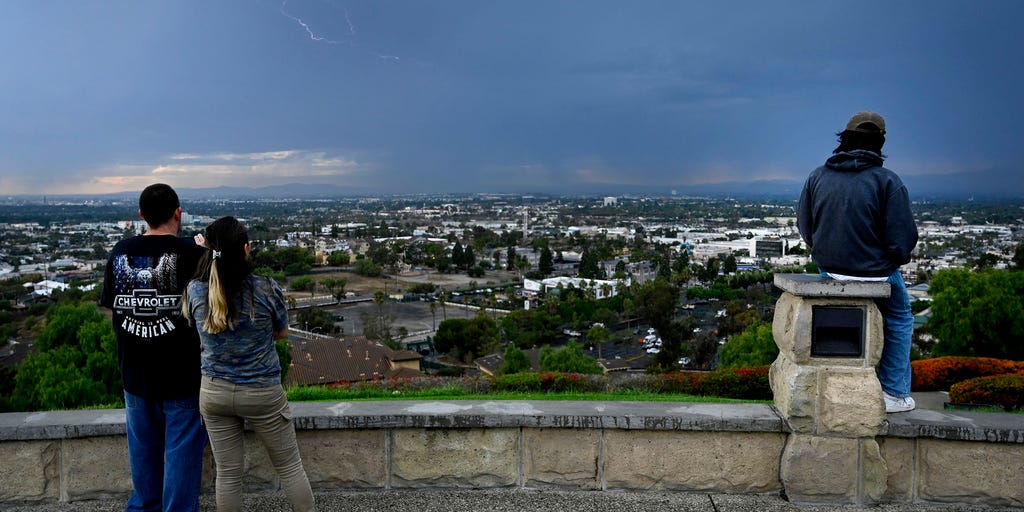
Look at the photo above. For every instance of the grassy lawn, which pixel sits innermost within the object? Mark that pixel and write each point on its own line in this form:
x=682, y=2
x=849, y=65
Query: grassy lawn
x=315, y=394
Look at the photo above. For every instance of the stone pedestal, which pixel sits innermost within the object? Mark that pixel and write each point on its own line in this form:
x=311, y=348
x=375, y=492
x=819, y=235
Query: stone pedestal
x=831, y=399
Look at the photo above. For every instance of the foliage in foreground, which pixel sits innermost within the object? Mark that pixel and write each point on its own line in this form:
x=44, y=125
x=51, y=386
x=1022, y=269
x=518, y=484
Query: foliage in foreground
x=978, y=313
x=753, y=347
x=941, y=373
x=1006, y=391
x=743, y=384
x=76, y=363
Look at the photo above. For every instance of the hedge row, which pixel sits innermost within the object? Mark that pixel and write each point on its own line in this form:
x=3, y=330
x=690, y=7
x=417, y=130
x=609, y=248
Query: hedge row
x=942, y=373
x=740, y=383
x=1006, y=391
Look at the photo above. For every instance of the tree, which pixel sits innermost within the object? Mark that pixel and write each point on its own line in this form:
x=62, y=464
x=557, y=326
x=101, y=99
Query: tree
x=515, y=361
x=545, y=265
x=568, y=359
x=366, y=267
x=510, y=258
x=598, y=335
x=465, y=339
x=302, y=284
x=709, y=272
x=335, y=286
x=313, y=318
x=978, y=313
x=589, y=268
x=76, y=363
x=729, y=264
x=1018, y=257
x=457, y=255
x=338, y=258
x=527, y=328
x=753, y=347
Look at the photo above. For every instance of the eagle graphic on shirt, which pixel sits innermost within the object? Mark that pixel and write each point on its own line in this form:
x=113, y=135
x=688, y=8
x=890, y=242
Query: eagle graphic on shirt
x=147, y=293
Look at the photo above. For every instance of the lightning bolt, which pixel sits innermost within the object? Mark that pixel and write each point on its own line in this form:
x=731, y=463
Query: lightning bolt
x=313, y=36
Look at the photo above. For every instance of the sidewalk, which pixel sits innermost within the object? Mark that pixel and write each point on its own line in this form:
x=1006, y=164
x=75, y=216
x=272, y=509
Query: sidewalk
x=519, y=500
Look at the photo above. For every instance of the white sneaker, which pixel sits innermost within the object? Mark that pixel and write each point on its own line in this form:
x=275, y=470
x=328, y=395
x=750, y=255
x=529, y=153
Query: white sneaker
x=893, y=404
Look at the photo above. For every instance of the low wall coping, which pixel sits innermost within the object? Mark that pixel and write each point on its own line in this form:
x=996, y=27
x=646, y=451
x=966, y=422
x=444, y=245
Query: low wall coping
x=720, y=417
x=814, y=285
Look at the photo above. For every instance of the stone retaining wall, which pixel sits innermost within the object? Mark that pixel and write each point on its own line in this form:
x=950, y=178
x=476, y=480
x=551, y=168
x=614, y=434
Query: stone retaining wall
x=929, y=456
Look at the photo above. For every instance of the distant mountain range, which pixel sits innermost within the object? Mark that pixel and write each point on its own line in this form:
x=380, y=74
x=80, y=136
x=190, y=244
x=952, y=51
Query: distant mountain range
x=990, y=184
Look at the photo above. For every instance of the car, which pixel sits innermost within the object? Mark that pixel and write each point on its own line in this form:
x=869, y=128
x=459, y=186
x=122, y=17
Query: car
x=653, y=350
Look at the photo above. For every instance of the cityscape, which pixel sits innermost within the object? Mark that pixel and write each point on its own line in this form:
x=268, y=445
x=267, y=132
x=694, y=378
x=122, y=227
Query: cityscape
x=386, y=272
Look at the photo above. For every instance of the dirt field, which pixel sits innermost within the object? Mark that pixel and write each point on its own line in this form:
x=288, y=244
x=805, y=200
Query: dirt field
x=361, y=285
x=414, y=316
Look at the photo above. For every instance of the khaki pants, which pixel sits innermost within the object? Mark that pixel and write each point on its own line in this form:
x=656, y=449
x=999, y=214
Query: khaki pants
x=225, y=407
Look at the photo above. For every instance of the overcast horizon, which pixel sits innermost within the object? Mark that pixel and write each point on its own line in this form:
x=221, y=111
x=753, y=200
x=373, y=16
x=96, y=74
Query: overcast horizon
x=462, y=96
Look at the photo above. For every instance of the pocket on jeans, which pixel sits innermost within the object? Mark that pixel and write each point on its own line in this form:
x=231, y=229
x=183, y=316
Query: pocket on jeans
x=131, y=401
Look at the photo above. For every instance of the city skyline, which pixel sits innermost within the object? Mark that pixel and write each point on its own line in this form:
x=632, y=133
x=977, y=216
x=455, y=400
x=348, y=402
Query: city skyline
x=500, y=97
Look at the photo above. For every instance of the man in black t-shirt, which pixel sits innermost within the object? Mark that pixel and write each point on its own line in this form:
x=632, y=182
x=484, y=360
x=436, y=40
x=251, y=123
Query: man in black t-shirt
x=158, y=354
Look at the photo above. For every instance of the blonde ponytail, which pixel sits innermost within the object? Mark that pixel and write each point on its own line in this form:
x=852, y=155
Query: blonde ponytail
x=216, y=304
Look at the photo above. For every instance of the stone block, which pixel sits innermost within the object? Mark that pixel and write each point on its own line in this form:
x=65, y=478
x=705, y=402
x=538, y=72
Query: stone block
x=899, y=461
x=565, y=458
x=344, y=459
x=455, y=457
x=971, y=472
x=795, y=391
x=95, y=468
x=729, y=462
x=820, y=469
x=784, y=324
x=29, y=471
x=874, y=472
x=792, y=330
x=850, y=402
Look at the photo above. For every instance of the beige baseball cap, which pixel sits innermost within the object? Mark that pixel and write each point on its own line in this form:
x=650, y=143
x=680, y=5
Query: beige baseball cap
x=866, y=122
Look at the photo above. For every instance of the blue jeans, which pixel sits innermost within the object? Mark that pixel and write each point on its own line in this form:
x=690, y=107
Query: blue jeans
x=166, y=441
x=894, y=367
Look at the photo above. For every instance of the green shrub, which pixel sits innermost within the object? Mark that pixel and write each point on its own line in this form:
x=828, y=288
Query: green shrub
x=740, y=383
x=1006, y=391
x=520, y=382
x=555, y=382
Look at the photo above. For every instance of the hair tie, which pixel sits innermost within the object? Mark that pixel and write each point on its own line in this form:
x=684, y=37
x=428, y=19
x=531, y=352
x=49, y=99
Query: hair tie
x=216, y=255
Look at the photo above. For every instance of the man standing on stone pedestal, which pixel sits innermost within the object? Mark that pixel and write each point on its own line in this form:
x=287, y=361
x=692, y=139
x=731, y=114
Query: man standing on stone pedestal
x=855, y=216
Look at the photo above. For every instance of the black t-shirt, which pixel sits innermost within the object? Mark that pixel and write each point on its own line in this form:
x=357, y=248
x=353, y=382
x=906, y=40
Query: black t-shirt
x=158, y=351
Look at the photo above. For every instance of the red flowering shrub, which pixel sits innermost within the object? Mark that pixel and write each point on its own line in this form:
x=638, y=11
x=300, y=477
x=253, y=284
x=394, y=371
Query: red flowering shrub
x=1006, y=391
x=942, y=372
x=742, y=383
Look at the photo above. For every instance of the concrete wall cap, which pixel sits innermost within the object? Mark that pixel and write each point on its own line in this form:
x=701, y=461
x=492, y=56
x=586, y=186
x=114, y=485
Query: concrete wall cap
x=813, y=285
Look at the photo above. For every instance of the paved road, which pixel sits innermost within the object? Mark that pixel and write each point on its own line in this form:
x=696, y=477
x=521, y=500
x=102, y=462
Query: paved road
x=519, y=500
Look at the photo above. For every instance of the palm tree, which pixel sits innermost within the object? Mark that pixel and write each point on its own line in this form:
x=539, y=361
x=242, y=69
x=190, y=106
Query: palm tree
x=433, y=315
x=443, y=299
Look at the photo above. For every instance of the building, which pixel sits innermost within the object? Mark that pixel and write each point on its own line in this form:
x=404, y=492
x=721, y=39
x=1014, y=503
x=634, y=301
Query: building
x=349, y=359
x=768, y=248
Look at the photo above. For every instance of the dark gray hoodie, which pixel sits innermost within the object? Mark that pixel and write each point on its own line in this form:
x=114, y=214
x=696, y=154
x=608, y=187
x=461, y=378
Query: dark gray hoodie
x=855, y=216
